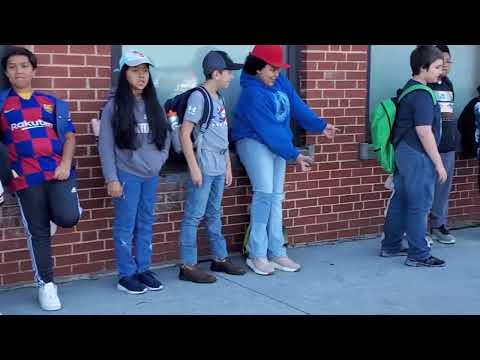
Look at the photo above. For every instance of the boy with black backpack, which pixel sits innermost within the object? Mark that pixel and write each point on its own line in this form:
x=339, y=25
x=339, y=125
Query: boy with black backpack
x=417, y=163
x=210, y=168
x=444, y=93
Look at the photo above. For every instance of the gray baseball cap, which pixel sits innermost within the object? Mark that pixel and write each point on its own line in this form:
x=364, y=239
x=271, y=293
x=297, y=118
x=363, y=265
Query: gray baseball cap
x=218, y=60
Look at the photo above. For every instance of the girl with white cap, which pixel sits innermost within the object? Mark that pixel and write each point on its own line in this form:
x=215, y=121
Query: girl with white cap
x=133, y=146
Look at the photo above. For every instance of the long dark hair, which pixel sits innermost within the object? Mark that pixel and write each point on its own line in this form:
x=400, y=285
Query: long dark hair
x=124, y=123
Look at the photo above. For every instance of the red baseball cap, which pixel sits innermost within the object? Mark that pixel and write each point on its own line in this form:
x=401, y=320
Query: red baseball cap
x=271, y=54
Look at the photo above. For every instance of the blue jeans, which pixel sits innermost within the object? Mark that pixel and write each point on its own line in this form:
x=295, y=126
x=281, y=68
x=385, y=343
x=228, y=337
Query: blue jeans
x=266, y=171
x=134, y=219
x=414, y=180
x=439, y=213
x=203, y=201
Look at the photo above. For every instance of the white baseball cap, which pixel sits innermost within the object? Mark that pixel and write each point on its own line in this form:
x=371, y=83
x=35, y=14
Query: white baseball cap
x=133, y=58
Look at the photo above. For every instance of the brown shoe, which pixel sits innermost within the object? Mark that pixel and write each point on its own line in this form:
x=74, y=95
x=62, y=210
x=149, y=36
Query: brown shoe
x=193, y=274
x=227, y=267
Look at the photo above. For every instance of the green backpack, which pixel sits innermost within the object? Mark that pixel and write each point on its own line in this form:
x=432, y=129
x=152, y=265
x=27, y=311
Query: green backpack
x=381, y=126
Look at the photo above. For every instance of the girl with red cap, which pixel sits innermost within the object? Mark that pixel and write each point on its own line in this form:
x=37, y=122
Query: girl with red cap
x=263, y=139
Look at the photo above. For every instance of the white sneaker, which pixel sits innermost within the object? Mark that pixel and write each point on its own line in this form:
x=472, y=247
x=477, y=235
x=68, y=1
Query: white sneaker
x=260, y=266
x=53, y=228
x=429, y=240
x=284, y=263
x=2, y=199
x=48, y=297
x=95, y=127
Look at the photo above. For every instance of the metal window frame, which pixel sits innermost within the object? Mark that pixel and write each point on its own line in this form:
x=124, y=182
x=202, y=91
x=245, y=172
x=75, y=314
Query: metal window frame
x=368, y=137
x=293, y=55
x=366, y=150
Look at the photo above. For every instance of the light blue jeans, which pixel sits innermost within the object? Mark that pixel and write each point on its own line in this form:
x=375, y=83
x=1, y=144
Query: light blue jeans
x=134, y=219
x=203, y=201
x=266, y=171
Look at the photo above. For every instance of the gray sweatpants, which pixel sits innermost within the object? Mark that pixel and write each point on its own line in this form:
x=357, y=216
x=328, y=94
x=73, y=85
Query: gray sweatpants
x=439, y=212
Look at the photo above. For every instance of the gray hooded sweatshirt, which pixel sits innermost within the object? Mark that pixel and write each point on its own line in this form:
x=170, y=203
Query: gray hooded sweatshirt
x=145, y=161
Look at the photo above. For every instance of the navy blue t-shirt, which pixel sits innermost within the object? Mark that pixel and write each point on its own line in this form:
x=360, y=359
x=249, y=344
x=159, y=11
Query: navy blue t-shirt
x=416, y=109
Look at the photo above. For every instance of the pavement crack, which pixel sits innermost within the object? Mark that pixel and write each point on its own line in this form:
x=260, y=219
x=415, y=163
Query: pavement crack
x=265, y=295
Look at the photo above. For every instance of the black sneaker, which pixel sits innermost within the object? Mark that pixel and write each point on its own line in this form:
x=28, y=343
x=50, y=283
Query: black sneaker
x=227, y=267
x=148, y=279
x=131, y=285
x=431, y=261
x=401, y=252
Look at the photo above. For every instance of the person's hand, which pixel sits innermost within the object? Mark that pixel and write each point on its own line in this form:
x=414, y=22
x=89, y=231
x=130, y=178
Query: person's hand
x=62, y=172
x=305, y=162
x=441, y=173
x=196, y=176
x=228, y=176
x=114, y=189
x=330, y=131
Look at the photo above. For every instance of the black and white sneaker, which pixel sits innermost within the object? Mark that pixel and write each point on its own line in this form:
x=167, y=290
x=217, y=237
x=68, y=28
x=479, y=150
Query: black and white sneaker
x=148, y=279
x=131, y=285
x=442, y=235
x=431, y=261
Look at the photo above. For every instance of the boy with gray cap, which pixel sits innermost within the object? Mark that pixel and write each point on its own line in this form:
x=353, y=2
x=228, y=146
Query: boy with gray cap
x=210, y=170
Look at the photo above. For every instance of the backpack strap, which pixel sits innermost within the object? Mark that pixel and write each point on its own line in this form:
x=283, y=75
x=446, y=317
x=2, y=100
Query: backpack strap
x=205, y=121
x=415, y=88
x=400, y=98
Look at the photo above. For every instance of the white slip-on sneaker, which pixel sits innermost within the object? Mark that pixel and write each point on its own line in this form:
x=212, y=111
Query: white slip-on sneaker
x=48, y=297
x=260, y=266
x=284, y=263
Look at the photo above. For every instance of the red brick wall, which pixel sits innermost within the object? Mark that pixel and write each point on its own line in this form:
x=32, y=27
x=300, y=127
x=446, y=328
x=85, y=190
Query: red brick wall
x=342, y=197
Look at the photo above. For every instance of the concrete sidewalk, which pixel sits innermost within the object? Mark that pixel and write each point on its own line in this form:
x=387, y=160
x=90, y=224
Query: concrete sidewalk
x=343, y=278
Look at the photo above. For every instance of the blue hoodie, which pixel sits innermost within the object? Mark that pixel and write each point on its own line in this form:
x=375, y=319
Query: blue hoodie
x=263, y=113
